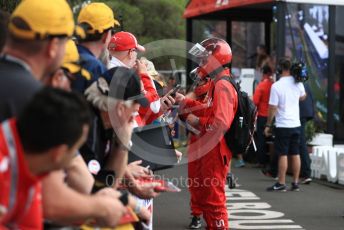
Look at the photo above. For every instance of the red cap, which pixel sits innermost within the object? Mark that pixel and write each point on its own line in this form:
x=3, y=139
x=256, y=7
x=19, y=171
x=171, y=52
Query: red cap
x=122, y=41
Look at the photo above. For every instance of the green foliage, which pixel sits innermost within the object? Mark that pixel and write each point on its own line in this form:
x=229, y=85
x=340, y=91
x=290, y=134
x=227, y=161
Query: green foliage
x=311, y=128
x=8, y=5
x=75, y=2
x=148, y=20
x=151, y=20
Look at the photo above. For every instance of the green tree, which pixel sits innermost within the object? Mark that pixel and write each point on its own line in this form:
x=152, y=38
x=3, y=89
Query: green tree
x=8, y=5
x=151, y=20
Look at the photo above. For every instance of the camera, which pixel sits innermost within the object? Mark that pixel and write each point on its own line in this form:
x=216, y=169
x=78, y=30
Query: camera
x=299, y=71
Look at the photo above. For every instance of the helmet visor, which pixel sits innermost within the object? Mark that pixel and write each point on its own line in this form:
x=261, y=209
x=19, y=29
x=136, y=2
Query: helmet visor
x=199, y=53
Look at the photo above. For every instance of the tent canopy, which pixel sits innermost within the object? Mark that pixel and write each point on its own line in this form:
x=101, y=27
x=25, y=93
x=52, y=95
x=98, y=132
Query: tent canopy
x=200, y=7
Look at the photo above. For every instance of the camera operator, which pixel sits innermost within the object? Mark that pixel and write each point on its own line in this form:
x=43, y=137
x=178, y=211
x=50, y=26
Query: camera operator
x=284, y=106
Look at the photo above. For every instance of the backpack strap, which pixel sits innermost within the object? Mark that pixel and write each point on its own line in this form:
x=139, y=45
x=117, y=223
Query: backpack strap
x=236, y=87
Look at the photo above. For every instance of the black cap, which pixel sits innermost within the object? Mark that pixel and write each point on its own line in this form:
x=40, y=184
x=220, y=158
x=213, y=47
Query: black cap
x=126, y=85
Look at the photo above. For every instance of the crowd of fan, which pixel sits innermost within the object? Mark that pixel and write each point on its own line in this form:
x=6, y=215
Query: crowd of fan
x=67, y=115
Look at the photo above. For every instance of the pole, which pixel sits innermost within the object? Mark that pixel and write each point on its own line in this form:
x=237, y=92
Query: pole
x=281, y=9
x=331, y=69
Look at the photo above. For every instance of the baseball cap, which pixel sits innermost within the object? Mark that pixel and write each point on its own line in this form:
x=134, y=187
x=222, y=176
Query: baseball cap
x=122, y=41
x=71, y=60
x=98, y=16
x=126, y=85
x=37, y=19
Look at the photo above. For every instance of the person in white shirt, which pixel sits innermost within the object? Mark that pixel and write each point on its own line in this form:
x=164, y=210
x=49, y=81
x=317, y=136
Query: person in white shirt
x=284, y=107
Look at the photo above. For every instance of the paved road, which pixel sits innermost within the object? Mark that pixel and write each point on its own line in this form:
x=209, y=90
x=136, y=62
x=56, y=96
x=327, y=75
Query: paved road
x=315, y=207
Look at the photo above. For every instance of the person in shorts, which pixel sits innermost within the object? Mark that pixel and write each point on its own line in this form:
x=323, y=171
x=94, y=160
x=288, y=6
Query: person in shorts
x=284, y=107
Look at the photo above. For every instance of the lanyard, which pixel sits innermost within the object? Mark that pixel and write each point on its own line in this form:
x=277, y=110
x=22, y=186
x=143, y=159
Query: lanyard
x=8, y=135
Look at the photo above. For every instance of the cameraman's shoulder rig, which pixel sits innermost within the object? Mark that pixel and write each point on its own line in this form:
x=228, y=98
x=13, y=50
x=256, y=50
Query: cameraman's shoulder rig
x=299, y=71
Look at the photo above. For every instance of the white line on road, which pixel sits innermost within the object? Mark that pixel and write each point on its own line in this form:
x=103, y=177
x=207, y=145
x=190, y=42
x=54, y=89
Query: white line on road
x=254, y=215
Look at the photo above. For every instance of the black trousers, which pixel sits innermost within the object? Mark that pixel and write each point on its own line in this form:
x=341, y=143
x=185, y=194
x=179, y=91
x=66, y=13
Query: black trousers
x=263, y=158
x=304, y=155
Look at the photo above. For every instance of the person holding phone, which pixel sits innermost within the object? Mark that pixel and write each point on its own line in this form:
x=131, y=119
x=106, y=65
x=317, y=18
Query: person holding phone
x=123, y=48
x=219, y=108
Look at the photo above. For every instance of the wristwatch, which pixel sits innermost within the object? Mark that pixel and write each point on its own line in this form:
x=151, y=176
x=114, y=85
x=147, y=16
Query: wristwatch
x=124, y=198
x=126, y=147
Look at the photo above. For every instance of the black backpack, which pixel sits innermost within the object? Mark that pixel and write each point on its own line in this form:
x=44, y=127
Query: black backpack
x=240, y=135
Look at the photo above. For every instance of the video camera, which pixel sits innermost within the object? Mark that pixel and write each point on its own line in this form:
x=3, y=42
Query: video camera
x=299, y=71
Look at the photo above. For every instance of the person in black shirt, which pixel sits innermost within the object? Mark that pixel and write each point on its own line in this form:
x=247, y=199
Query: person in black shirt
x=32, y=51
x=306, y=114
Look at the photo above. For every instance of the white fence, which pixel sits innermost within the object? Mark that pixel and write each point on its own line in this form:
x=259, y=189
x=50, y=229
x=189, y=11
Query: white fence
x=328, y=162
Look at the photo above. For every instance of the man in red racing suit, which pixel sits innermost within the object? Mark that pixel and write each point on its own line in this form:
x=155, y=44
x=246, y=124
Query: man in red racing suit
x=218, y=113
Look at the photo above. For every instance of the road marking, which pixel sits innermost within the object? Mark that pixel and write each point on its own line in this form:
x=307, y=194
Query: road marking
x=254, y=215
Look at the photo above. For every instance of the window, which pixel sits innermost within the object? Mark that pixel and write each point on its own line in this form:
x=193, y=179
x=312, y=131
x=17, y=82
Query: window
x=307, y=40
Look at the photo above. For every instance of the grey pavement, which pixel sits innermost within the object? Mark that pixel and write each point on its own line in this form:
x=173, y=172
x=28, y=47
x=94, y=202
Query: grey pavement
x=316, y=207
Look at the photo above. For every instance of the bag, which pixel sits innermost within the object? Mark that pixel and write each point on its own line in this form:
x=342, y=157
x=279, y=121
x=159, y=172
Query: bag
x=153, y=144
x=240, y=135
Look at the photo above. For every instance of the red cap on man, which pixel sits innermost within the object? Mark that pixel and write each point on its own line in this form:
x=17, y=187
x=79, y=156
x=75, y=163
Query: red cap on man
x=122, y=41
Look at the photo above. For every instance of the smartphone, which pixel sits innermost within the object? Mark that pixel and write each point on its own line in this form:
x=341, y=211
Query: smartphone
x=164, y=185
x=173, y=93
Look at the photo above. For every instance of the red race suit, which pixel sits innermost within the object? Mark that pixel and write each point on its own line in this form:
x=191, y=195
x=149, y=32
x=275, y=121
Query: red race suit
x=218, y=113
